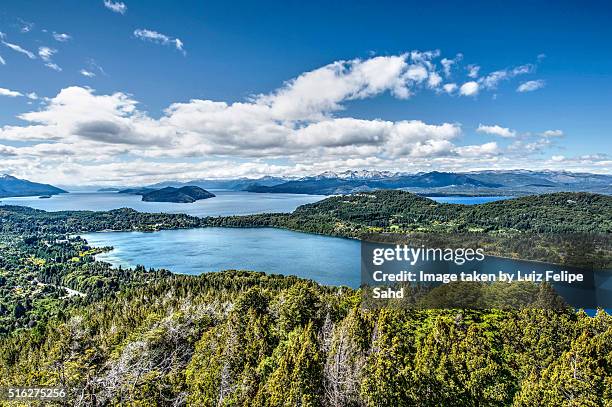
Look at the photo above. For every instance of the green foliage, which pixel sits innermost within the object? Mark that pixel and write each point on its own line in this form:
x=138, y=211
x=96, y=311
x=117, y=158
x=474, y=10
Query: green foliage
x=148, y=337
x=226, y=339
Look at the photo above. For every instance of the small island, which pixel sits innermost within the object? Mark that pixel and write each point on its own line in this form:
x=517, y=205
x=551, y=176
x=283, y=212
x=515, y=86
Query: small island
x=186, y=194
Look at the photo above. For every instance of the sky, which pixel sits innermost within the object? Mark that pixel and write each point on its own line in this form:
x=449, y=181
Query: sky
x=132, y=92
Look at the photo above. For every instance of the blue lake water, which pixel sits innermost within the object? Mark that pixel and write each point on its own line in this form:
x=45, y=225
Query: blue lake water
x=327, y=260
x=224, y=204
x=468, y=200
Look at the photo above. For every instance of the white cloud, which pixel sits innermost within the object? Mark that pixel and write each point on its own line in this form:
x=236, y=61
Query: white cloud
x=496, y=130
x=532, y=147
x=434, y=80
x=9, y=93
x=2, y=61
x=317, y=93
x=530, y=86
x=491, y=80
x=553, y=133
x=45, y=53
x=473, y=71
x=115, y=6
x=61, y=37
x=17, y=48
x=487, y=149
x=450, y=88
x=470, y=88
x=92, y=69
x=82, y=135
x=159, y=38
x=54, y=66
x=447, y=64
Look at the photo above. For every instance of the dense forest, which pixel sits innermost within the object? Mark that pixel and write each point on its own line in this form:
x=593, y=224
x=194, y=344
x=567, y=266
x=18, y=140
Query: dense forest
x=240, y=338
x=399, y=211
x=149, y=337
x=562, y=228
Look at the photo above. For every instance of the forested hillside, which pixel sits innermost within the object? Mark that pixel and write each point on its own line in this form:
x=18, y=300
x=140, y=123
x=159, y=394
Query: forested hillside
x=239, y=338
x=350, y=215
x=149, y=337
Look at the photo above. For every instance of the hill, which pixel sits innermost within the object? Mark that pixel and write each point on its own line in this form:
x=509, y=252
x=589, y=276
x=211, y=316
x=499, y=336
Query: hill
x=186, y=194
x=394, y=210
x=237, y=184
x=12, y=186
x=507, y=183
x=137, y=191
x=330, y=184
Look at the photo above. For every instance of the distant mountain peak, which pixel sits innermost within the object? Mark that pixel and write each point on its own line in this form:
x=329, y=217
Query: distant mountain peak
x=353, y=174
x=12, y=186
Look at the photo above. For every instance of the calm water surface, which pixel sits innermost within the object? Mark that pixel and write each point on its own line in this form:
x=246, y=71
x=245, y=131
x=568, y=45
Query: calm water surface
x=469, y=200
x=327, y=260
x=225, y=203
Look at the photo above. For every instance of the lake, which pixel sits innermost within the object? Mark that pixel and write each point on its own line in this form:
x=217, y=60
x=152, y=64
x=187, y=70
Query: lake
x=224, y=204
x=327, y=260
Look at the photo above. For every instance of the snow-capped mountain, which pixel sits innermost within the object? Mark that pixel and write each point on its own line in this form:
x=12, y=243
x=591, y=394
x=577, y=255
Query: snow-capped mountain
x=354, y=174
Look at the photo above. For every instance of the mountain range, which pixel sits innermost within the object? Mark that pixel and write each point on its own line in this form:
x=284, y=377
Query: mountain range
x=491, y=182
x=511, y=183
x=12, y=186
x=236, y=184
x=475, y=183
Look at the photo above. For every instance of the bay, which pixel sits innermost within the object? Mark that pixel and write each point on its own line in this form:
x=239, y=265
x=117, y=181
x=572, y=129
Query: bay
x=327, y=260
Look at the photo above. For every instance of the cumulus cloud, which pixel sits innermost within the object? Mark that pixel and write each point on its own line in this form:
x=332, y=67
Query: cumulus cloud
x=470, y=88
x=434, y=80
x=447, y=64
x=450, y=88
x=9, y=93
x=487, y=149
x=115, y=6
x=496, y=130
x=530, y=86
x=86, y=135
x=473, y=71
x=159, y=38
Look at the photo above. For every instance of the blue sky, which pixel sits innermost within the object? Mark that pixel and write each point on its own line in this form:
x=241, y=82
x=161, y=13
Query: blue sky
x=142, y=57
